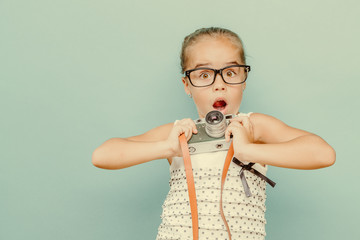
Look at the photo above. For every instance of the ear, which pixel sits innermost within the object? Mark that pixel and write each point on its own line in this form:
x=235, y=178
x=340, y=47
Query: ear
x=186, y=85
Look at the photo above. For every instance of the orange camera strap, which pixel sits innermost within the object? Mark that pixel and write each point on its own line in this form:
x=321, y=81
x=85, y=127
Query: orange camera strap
x=191, y=185
x=228, y=158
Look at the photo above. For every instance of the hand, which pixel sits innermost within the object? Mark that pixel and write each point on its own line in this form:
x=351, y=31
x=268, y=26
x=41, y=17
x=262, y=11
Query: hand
x=242, y=131
x=186, y=126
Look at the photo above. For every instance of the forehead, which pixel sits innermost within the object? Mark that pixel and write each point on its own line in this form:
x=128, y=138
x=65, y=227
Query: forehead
x=214, y=52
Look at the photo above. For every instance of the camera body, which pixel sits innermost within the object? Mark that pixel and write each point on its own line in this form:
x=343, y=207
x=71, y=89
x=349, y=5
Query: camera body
x=211, y=131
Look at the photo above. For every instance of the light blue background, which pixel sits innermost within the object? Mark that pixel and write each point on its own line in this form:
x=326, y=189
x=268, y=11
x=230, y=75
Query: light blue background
x=74, y=73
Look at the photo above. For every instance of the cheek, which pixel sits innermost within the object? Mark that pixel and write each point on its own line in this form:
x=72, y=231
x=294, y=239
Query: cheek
x=199, y=99
x=198, y=93
x=235, y=91
x=237, y=96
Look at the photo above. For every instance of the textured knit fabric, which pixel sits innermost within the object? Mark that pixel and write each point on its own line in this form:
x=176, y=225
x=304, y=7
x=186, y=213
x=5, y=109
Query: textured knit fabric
x=245, y=215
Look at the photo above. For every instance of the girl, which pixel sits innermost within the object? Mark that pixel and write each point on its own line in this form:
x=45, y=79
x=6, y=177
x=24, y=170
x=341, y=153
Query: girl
x=215, y=73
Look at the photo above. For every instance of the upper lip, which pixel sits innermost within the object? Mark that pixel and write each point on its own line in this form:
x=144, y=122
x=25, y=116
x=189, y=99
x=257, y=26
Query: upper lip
x=220, y=99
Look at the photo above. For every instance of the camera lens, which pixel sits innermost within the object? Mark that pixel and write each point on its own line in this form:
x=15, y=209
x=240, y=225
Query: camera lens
x=215, y=124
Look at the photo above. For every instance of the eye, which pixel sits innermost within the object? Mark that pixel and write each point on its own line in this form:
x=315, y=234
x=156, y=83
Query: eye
x=204, y=75
x=230, y=73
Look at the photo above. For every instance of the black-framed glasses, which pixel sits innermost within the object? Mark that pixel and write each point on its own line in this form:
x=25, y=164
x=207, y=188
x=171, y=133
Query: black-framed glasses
x=203, y=77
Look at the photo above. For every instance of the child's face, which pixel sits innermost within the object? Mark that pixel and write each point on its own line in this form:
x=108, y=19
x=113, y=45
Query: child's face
x=214, y=53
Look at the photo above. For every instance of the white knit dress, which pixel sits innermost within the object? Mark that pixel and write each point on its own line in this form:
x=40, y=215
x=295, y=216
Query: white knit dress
x=245, y=215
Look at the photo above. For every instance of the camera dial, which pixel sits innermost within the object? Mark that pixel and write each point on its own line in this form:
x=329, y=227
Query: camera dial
x=215, y=124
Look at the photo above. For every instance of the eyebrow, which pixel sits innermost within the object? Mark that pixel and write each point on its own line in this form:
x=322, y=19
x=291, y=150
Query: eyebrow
x=207, y=64
x=232, y=63
x=201, y=65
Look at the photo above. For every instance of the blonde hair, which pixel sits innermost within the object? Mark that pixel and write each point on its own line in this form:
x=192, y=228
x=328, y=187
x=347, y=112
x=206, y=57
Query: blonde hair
x=212, y=32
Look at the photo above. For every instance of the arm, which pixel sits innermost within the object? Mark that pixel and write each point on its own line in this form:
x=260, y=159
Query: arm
x=277, y=144
x=158, y=143
x=117, y=153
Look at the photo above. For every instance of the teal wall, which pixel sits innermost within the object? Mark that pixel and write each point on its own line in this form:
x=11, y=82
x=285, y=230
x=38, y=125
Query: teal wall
x=74, y=73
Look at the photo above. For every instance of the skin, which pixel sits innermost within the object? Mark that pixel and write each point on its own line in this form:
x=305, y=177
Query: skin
x=259, y=138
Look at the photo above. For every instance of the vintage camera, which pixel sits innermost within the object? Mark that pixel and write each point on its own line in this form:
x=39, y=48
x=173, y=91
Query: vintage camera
x=211, y=131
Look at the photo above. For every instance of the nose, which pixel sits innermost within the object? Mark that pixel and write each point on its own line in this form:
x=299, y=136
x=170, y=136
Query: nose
x=219, y=84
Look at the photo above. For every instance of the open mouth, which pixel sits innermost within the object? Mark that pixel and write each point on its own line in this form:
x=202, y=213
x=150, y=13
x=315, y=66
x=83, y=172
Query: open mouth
x=219, y=104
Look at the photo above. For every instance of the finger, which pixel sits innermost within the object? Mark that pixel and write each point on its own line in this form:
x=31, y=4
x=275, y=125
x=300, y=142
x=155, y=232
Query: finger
x=235, y=124
x=187, y=122
x=181, y=130
x=194, y=129
x=228, y=134
x=191, y=126
x=238, y=119
x=232, y=129
x=248, y=126
x=184, y=129
x=246, y=122
x=190, y=133
x=243, y=121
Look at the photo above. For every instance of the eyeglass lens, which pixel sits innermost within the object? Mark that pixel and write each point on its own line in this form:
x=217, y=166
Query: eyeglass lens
x=204, y=77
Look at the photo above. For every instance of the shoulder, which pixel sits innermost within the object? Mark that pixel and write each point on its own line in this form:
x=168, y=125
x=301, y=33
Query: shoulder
x=268, y=129
x=156, y=134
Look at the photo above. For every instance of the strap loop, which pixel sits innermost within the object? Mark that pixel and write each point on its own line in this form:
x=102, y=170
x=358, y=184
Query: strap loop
x=249, y=168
